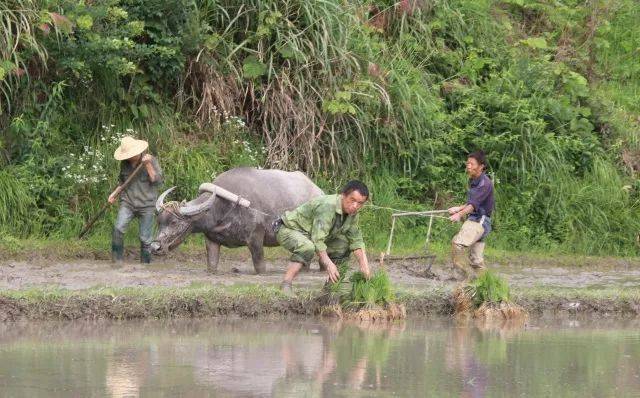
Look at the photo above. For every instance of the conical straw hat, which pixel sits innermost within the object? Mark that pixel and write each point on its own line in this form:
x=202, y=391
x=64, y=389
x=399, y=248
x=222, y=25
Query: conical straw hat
x=130, y=147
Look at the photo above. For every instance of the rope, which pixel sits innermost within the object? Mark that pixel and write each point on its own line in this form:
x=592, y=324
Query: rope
x=372, y=206
x=404, y=211
x=384, y=208
x=173, y=206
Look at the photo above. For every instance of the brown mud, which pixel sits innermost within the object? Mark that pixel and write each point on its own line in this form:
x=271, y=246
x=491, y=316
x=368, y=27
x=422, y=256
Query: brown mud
x=186, y=289
x=183, y=270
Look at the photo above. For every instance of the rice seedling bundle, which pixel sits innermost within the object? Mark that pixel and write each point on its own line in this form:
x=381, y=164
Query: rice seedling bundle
x=358, y=298
x=487, y=297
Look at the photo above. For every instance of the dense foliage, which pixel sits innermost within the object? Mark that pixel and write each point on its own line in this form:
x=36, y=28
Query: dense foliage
x=395, y=93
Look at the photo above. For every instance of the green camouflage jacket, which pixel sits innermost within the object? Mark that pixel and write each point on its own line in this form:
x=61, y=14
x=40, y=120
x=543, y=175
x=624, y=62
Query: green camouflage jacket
x=322, y=220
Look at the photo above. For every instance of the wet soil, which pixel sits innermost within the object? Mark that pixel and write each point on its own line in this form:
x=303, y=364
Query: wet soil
x=563, y=289
x=182, y=269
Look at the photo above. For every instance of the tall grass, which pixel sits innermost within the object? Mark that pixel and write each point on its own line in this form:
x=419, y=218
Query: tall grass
x=617, y=55
x=392, y=95
x=17, y=206
x=19, y=44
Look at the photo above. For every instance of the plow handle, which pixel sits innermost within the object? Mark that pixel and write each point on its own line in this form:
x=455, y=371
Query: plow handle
x=105, y=206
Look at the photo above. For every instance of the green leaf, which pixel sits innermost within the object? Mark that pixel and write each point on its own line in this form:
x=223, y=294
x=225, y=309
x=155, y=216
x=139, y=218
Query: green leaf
x=601, y=43
x=287, y=51
x=343, y=95
x=84, y=22
x=144, y=110
x=538, y=43
x=6, y=67
x=212, y=41
x=253, y=68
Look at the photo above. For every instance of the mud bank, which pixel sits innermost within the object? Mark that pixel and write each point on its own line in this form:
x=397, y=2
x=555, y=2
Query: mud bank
x=179, y=286
x=260, y=301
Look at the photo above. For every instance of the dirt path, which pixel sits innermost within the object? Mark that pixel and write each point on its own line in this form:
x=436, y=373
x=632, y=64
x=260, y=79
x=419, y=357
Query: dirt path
x=177, y=272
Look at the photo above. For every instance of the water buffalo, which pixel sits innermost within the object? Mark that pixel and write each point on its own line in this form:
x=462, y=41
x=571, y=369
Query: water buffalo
x=268, y=193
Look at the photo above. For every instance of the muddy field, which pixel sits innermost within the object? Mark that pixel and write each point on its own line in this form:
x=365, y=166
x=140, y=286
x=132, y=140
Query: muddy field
x=179, y=286
x=182, y=270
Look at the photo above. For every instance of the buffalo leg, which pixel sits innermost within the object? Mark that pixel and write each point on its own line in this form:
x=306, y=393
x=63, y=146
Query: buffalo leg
x=213, y=255
x=256, y=247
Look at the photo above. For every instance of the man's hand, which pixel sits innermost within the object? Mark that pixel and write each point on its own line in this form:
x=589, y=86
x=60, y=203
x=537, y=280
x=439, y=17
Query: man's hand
x=454, y=209
x=332, y=270
x=456, y=217
x=112, y=198
x=146, y=160
x=367, y=273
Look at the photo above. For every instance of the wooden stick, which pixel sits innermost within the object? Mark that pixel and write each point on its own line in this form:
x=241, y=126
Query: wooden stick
x=381, y=260
x=419, y=213
x=104, y=207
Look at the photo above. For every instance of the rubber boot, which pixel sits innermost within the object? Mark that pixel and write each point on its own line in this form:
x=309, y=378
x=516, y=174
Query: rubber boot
x=117, y=247
x=117, y=253
x=458, y=261
x=476, y=258
x=145, y=255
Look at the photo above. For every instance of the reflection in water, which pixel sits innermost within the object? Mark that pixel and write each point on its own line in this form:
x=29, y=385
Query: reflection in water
x=460, y=358
x=294, y=358
x=123, y=374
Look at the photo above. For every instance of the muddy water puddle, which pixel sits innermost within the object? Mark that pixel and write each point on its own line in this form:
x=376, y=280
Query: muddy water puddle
x=312, y=358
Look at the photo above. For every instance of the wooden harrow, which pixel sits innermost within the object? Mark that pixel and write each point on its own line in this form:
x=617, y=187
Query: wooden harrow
x=427, y=256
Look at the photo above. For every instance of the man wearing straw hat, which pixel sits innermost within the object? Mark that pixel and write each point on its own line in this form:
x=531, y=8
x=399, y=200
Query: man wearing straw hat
x=138, y=198
x=478, y=208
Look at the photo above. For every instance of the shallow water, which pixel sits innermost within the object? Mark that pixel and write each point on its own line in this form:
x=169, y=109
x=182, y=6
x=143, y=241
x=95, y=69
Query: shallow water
x=311, y=358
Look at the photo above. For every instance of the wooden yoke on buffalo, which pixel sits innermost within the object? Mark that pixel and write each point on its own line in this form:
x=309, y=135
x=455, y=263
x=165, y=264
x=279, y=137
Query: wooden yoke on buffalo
x=223, y=193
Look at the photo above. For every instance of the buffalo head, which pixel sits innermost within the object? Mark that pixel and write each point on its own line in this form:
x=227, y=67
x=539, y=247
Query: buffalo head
x=175, y=220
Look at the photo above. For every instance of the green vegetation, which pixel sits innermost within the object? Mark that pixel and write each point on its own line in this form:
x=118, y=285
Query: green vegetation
x=253, y=300
x=353, y=290
x=371, y=292
x=488, y=288
x=395, y=93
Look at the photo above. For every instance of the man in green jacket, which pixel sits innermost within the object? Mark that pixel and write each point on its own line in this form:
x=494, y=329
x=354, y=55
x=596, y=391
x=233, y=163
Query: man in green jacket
x=326, y=226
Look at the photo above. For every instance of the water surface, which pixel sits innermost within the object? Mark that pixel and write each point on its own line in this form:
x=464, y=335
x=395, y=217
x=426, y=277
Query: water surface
x=311, y=358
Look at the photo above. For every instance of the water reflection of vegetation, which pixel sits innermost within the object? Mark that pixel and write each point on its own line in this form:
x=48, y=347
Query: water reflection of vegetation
x=358, y=345
x=302, y=358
